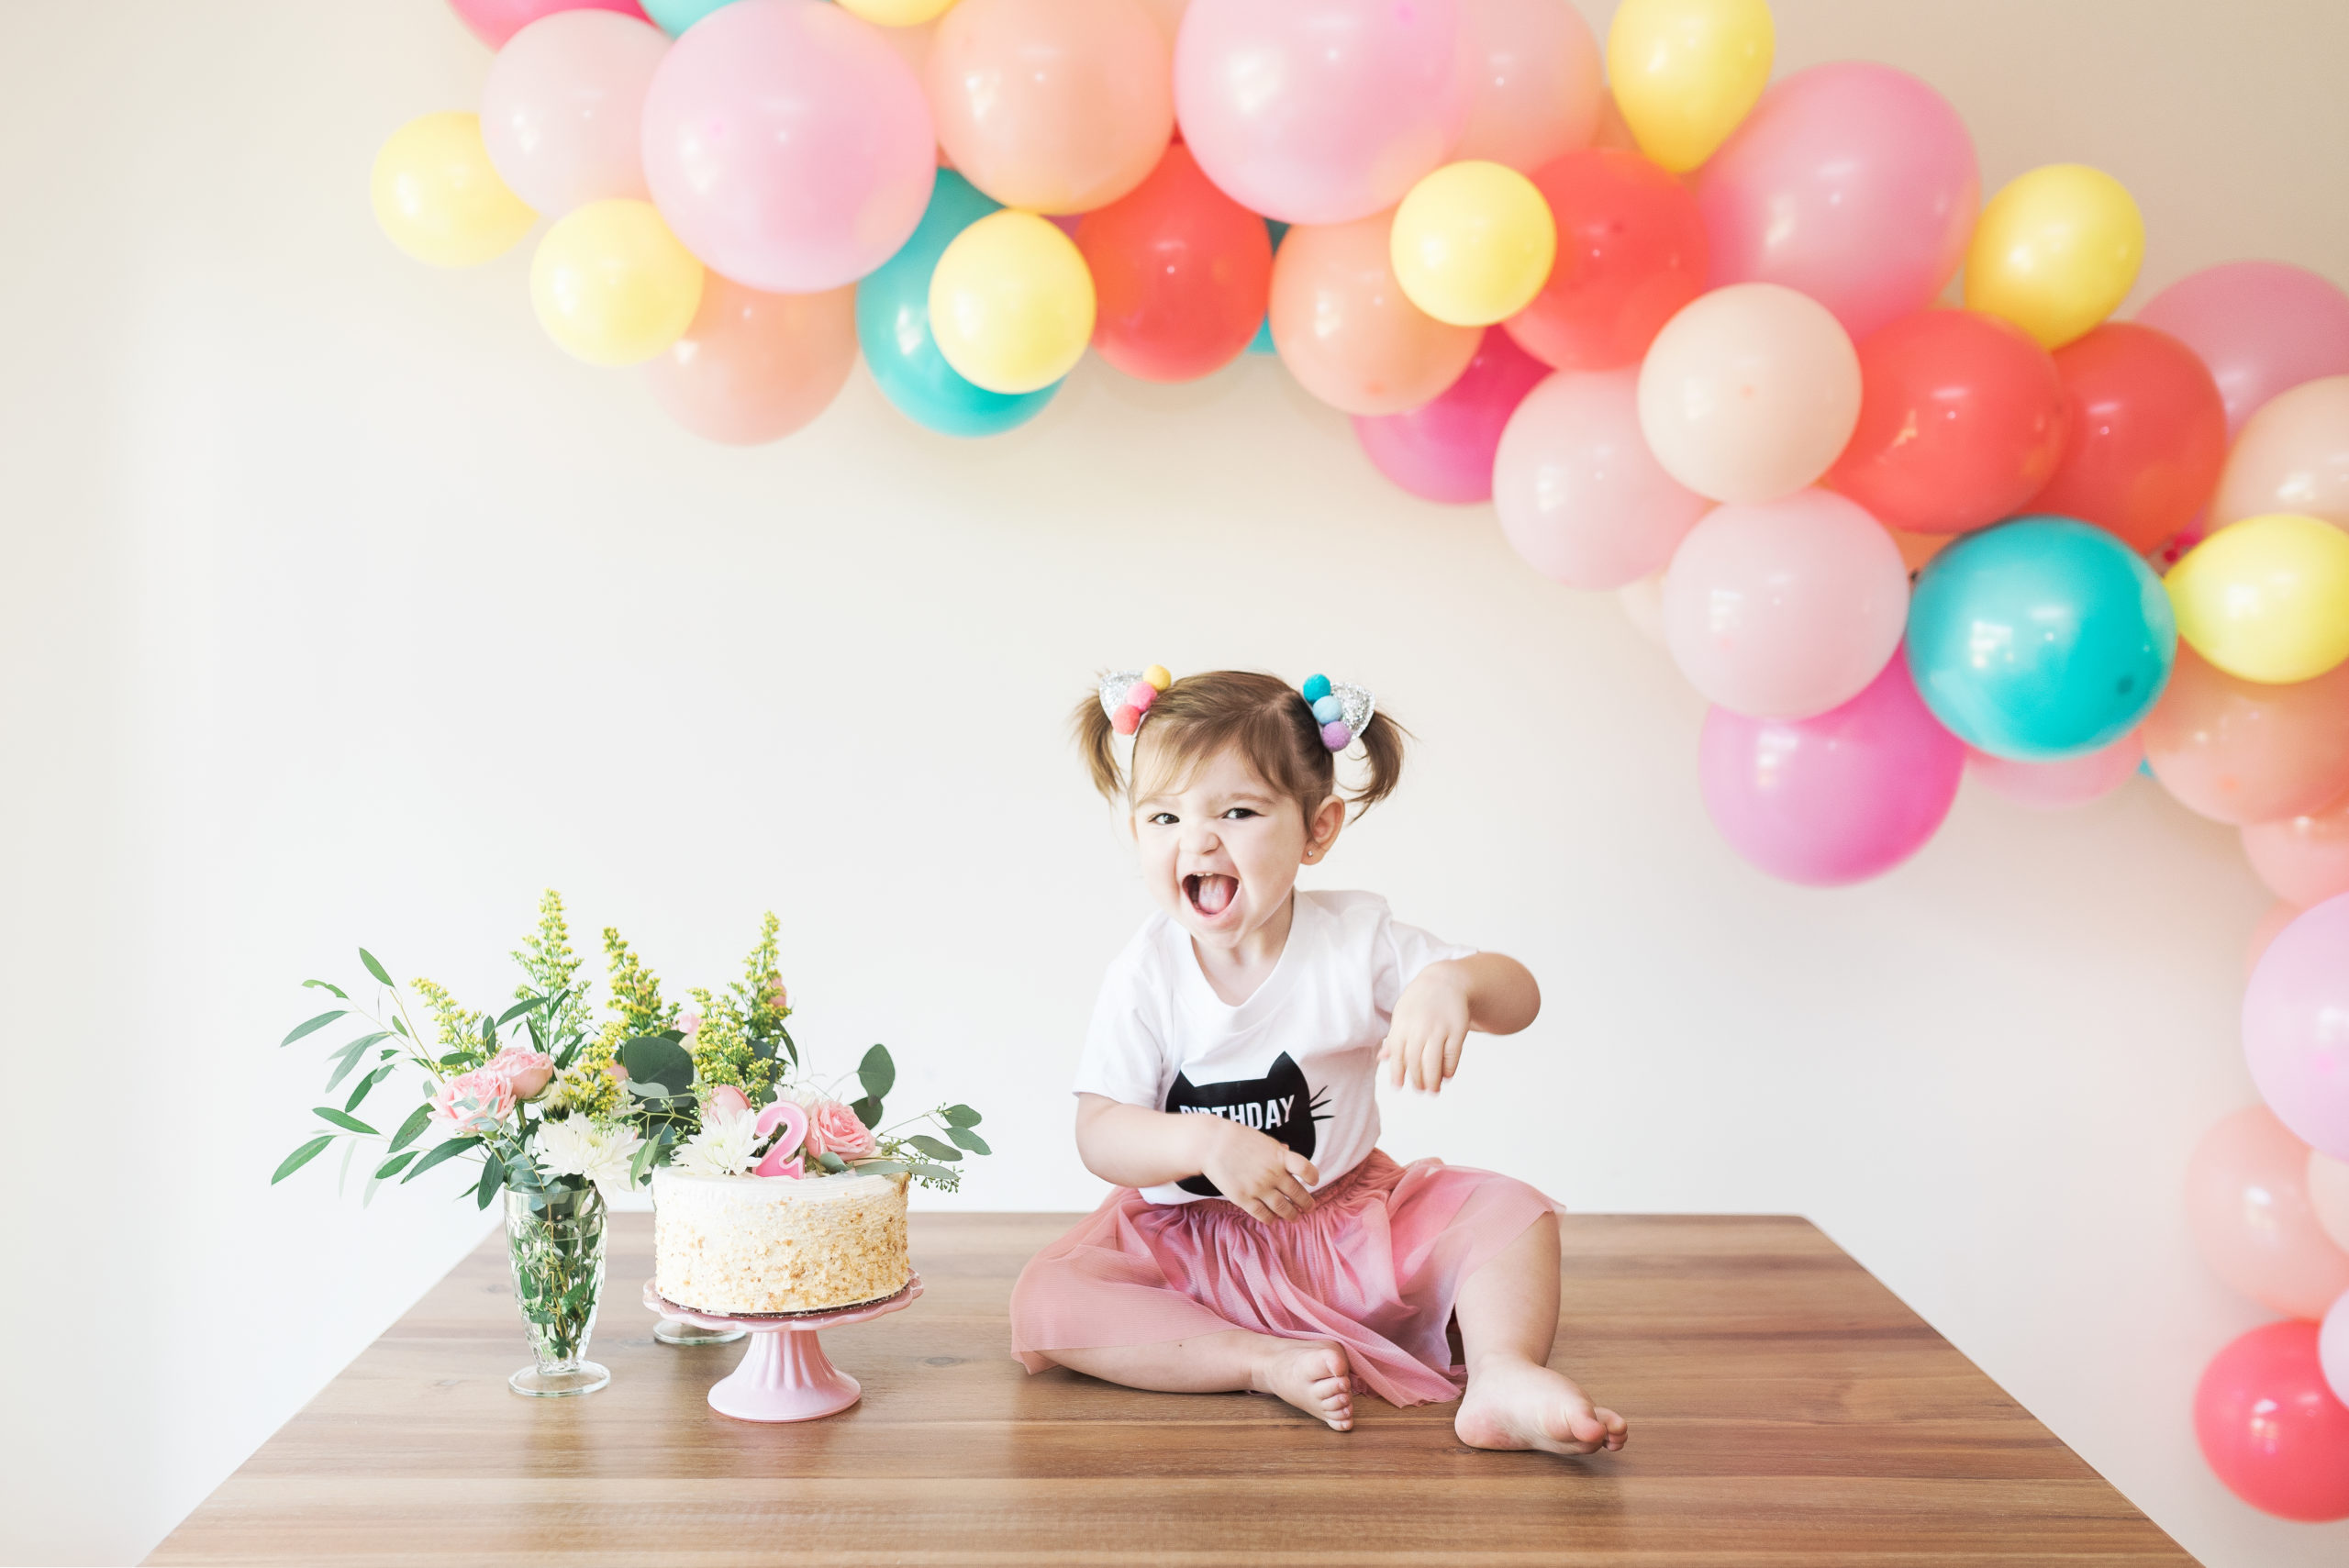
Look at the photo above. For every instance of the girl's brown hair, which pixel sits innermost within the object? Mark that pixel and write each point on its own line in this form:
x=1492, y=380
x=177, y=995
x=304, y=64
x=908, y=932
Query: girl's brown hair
x=1264, y=717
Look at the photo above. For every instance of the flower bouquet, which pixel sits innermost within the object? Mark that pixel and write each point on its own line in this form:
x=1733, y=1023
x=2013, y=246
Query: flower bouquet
x=560, y=1111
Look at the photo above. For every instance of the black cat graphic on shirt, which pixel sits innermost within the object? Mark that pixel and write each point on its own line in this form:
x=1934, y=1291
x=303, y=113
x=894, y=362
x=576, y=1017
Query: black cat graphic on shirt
x=1280, y=1105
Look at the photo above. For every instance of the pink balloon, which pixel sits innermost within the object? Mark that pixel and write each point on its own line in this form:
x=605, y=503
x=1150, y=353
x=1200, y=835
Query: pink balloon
x=788, y=145
x=2333, y=1349
x=495, y=21
x=1787, y=608
x=1321, y=111
x=1538, y=83
x=2271, y=1429
x=563, y=110
x=1580, y=495
x=2247, y=1203
x=1750, y=393
x=2293, y=456
x=1853, y=183
x=1443, y=450
x=2295, y=1028
x=2053, y=786
x=754, y=367
x=1834, y=799
x=2303, y=859
x=2262, y=326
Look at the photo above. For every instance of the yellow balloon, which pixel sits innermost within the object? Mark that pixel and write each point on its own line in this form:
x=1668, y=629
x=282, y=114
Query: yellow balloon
x=1011, y=303
x=439, y=199
x=612, y=285
x=1473, y=243
x=2267, y=600
x=1685, y=72
x=897, y=13
x=2055, y=251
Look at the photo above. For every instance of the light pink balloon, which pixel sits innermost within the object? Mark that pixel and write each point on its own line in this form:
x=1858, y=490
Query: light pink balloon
x=788, y=145
x=1852, y=181
x=754, y=367
x=1580, y=495
x=562, y=109
x=2328, y=1185
x=2295, y=1028
x=1836, y=799
x=1443, y=450
x=2055, y=786
x=1538, y=83
x=2333, y=1349
x=1787, y=608
x=1321, y=111
x=2293, y=456
x=1750, y=393
x=2271, y=925
x=2303, y=859
x=2262, y=326
x=2247, y=1203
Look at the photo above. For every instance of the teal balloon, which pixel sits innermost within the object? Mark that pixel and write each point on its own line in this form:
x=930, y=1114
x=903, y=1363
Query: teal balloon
x=2041, y=639
x=1262, y=343
x=893, y=329
x=674, y=17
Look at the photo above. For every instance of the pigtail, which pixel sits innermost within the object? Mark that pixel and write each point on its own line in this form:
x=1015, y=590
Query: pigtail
x=1382, y=746
x=1089, y=726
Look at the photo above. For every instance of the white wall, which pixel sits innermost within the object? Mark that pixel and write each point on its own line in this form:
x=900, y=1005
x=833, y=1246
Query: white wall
x=336, y=608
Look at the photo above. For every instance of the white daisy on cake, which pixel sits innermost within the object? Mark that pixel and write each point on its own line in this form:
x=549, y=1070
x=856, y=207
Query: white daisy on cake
x=724, y=1146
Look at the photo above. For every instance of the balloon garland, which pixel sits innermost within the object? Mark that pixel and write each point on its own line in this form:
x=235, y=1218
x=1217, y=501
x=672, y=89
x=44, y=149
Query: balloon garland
x=1678, y=324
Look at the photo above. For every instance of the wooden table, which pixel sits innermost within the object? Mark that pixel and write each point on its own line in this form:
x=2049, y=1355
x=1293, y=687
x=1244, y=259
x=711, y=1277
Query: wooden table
x=1785, y=1409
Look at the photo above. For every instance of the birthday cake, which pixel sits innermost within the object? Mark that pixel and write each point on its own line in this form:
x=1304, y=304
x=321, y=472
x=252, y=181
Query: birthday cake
x=754, y=1244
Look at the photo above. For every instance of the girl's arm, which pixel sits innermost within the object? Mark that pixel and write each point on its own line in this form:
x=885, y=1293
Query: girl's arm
x=1486, y=992
x=1133, y=1146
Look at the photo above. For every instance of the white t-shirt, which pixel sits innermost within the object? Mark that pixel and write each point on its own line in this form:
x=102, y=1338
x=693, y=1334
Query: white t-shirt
x=1298, y=1060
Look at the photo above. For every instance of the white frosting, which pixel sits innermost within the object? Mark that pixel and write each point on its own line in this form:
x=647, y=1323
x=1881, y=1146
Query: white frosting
x=757, y=1244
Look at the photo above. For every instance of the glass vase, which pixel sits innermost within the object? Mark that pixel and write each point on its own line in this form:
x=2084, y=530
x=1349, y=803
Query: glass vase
x=554, y=1239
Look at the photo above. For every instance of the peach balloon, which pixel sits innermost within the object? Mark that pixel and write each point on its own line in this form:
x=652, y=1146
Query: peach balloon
x=2328, y=1187
x=1342, y=327
x=754, y=367
x=1539, y=83
x=2303, y=859
x=2247, y=1203
x=2238, y=752
x=1750, y=393
x=2293, y=456
x=2279, y=915
x=1051, y=106
x=2055, y=786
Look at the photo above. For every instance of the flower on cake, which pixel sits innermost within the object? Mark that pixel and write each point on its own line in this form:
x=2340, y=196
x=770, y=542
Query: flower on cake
x=726, y=1146
x=832, y=1128
x=601, y=1151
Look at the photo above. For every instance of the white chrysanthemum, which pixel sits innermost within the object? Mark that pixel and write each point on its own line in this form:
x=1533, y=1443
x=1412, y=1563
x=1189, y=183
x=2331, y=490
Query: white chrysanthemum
x=581, y=1146
x=724, y=1148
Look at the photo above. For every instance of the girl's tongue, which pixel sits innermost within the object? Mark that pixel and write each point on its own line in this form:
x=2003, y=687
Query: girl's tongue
x=1211, y=895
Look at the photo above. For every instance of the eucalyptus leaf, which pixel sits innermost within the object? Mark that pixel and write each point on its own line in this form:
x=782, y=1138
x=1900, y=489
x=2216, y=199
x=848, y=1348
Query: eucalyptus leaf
x=641, y=1165
x=439, y=1151
x=868, y=1111
x=652, y=1059
x=394, y=1166
x=877, y=1073
x=962, y=1115
x=373, y=967
x=313, y=1025
x=934, y=1148
x=932, y=1173
x=367, y=1084
x=329, y=985
x=882, y=1168
x=344, y=1061
x=301, y=1157
x=490, y=1171
x=413, y=1127
x=344, y=1120
x=528, y=1005
x=831, y=1162
x=969, y=1140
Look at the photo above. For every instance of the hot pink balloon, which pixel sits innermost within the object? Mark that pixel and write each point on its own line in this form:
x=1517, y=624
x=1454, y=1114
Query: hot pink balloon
x=2303, y=859
x=2247, y=1203
x=2057, y=786
x=1787, y=608
x=495, y=21
x=1443, y=450
x=1321, y=111
x=1853, y=183
x=1538, y=83
x=2270, y=1427
x=788, y=145
x=2262, y=326
x=563, y=110
x=2295, y=1028
x=1836, y=799
x=1580, y=495
x=754, y=367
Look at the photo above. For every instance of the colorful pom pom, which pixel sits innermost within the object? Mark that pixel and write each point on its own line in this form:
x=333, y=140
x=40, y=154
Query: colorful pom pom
x=1140, y=695
x=1328, y=708
x=1125, y=719
x=1316, y=687
x=1158, y=676
x=1335, y=736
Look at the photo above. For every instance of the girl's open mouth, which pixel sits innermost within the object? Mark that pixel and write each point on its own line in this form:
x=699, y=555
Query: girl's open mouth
x=1210, y=896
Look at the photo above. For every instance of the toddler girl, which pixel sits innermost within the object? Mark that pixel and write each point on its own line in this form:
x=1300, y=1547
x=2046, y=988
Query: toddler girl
x=1259, y=1239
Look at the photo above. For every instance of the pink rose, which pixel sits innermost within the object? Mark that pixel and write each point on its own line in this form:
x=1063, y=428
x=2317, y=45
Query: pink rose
x=833, y=1129
x=474, y=1102
x=689, y=1023
x=780, y=996
x=726, y=1101
x=528, y=1071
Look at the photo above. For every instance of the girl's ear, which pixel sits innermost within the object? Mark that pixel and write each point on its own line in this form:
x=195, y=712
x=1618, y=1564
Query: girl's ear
x=1321, y=829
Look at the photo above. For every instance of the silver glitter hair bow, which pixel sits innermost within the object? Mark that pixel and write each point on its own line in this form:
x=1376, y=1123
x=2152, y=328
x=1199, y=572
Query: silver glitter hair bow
x=1126, y=694
x=1343, y=711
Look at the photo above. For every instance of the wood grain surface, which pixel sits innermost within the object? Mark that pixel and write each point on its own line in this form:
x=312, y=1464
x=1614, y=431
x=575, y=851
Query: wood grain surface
x=1784, y=1408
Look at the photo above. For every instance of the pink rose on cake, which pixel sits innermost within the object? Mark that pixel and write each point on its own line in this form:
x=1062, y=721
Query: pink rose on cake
x=832, y=1128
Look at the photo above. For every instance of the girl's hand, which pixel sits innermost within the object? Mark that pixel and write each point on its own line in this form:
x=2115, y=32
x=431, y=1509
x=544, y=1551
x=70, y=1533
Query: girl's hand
x=1262, y=1174
x=1430, y=1026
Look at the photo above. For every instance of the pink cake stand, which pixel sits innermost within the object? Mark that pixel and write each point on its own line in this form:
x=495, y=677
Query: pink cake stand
x=785, y=1376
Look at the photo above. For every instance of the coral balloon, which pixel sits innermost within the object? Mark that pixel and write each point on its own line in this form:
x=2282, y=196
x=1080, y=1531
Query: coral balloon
x=1580, y=495
x=787, y=145
x=2269, y=1427
x=495, y=21
x=2055, y=251
x=1444, y=450
x=1321, y=111
x=2295, y=1028
x=438, y=196
x=563, y=111
x=1631, y=253
x=2247, y=1203
x=1182, y=272
x=1834, y=799
x=1750, y=393
x=1011, y=304
x=2146, y=434
x=1787, y=608
x=1538, y=86
x=2262, y=326
x=1853, y=183
x=2041, y=639
x=2293, y=456
x=1473, y=243
x=2240, y=752
x=897, y=13
x=2057, y=786
x=1962, y=420
x=754, y=367
x=2267, y=598
x=2328, y=1190
x=1345, y=329
x=1053, y=106
x=611, y=284
x=1685, y=72
x=2303, y=859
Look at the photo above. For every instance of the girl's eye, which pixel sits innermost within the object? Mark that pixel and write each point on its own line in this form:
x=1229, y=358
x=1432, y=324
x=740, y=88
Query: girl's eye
x=1161, y=819
x=1237, y=812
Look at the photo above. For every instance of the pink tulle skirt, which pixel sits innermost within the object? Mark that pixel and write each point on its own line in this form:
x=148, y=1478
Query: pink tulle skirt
x=1376, y=1265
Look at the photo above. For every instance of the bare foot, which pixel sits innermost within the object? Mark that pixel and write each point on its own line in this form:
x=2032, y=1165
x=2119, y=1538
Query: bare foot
x=1511, y=1403
x=1313, y=1375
